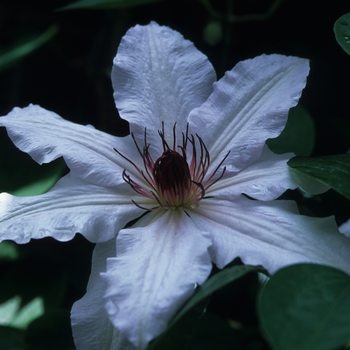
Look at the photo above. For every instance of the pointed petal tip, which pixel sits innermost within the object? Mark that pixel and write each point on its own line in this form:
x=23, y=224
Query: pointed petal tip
x=159, y=76
x=249, y=105
x=71, y=206
x=88, y=152
x=272, y=234
x=345, y=228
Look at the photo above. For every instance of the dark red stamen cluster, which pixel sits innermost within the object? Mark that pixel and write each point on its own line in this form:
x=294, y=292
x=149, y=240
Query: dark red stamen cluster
x=171, y=173
x=173, y=182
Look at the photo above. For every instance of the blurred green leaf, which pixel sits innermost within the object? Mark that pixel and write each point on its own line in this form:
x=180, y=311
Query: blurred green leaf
x=333, y=171
x=27, y=48
x=43, y=184
x=306, y=307
x=106, y=4
x=8, y=310
x=21, y=176
x=342, y=32
x=28, y=313
x=8, y=251
x=298, y=135
x=12, y=314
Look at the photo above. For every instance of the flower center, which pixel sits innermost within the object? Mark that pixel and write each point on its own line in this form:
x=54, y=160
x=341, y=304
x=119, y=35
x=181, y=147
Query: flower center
x=172, y=181
x=172, y=175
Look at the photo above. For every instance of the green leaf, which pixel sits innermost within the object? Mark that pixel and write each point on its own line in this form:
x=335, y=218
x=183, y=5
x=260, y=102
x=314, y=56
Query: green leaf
x=342, y=32
x=333, y=171
x=38, y=178
x=105, y=4
x=215, y=283
x=43, y=184
x=305, y=307
x=8, y=251
x=27, y=48
x=298, y=135
x=9, y=309
x=28, y=313
x=183, y=325
x=11, y=313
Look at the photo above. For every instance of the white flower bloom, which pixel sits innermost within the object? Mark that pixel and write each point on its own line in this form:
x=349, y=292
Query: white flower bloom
x=195, y=164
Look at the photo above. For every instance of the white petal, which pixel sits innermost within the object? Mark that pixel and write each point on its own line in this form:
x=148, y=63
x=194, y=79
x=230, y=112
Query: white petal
x=158, y=76
x=345, y=228
x=271, y=234
x=92, y=329
x=87, y=151
x=157, y=267
x=71, y=206
x=266, y=179
x=249, y=105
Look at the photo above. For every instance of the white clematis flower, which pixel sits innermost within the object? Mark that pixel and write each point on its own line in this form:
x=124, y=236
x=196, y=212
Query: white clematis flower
x=196, y=163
